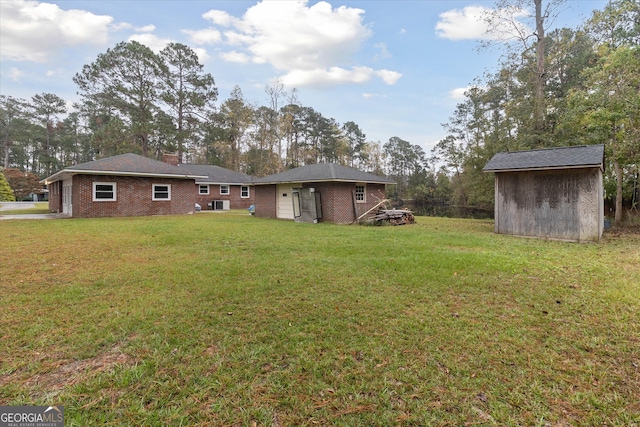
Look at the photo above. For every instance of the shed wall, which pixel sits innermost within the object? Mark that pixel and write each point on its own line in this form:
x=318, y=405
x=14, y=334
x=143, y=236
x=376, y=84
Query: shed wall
x=562, y=204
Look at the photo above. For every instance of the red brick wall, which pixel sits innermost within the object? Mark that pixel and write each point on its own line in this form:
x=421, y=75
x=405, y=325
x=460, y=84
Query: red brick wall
x=134, y=197
x=265, y=200
x=235, y=196
x=55, y=197
x=337, y=200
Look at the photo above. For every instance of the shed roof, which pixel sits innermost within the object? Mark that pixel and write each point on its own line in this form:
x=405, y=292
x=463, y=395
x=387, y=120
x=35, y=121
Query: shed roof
x=579, y=156
x=124, y=165
x=322, y=172
x=216, y=174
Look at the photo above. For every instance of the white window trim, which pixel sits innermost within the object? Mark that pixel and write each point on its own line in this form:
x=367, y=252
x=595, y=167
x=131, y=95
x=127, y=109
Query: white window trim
x=228, y=190
x=248, y=192
x=115, y=192
x=153, y=192
x=200, y=189
x=364, y=193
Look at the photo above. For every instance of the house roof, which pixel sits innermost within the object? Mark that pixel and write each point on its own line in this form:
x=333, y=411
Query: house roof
x=124, y=165
x=322, y=172
x=216, y=174
x=580, y=156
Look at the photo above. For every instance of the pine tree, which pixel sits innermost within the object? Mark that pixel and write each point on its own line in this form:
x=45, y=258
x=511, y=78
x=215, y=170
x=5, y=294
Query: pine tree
x=6, y=193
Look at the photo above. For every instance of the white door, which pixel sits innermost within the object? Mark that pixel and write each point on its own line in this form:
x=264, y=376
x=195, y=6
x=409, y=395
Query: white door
x=67, y=202
x=284, y=208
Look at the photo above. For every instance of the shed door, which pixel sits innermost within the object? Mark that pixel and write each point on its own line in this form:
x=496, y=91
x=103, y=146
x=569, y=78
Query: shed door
x=284, y=208
x=306, y=205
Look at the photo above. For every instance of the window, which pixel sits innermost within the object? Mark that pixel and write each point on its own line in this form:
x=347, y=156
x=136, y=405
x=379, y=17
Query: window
x=104, y=191
x=224, y=189
x=360, y=193
x=244, y=191
x=161, y=192
x=203, y=189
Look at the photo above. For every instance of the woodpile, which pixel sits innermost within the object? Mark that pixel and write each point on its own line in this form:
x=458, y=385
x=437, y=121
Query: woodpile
x=393, y=216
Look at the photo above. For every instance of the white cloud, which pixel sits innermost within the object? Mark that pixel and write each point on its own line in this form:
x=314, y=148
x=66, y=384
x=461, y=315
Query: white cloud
x=462, y=24
x=322, y=77
x=34, y=31
x=219, y=17
x=206, y=36
x=388, y=76
x=313, y=45
x=469, y=23
x=152, y=41
x=15, y=74
x=50, y=73
x=458, y=93
x=234, y=56
x=203, y=55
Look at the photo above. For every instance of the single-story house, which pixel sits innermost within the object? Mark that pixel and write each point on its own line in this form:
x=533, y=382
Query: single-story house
x=123, y=185
x=222, y=189
x=320, y=192
x=554, y=193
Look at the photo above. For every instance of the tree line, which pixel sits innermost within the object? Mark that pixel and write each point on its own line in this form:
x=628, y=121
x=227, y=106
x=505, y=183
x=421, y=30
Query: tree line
x=554, y=87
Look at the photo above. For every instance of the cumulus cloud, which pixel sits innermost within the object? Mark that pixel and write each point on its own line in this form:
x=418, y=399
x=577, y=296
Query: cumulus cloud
x=127, y=26
x=34, y=31
x=312, y=45
x=469, y=23
x=206, y=36
x=152, y=41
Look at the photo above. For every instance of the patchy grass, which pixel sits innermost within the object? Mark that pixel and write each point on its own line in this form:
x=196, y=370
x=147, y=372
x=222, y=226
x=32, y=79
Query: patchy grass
x=39, y=208
x=226, y=319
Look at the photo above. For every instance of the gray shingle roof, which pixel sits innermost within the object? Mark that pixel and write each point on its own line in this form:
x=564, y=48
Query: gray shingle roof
x=216, y=174
x=322, y=172
x=125, y=164
x=579, y=156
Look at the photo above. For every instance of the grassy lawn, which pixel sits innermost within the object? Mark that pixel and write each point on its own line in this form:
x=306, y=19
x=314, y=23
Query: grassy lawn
x=39, y=208
x=231, y=320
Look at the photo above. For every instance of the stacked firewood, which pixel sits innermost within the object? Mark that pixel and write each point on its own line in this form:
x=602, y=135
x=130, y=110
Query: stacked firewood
x=394, y=216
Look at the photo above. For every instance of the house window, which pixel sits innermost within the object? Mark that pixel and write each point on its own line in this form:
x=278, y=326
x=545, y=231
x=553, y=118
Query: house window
x=224, y=189
x=244, y=191
x=104, y=191
x=360, y=193
x=161, y=192
x=203, y=189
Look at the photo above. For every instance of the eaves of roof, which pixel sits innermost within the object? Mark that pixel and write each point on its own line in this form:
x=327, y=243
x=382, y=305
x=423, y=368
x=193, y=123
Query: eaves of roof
x=66, y=173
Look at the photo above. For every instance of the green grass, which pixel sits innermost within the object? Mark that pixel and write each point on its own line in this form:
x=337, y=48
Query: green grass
x=231, y=320
x=39, y=208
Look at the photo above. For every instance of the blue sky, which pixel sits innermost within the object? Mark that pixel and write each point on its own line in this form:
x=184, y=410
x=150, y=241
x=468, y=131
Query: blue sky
x=396, y=68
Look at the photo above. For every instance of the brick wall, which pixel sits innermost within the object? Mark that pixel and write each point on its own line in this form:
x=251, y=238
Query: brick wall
x=265, y=200
x=235, y=196
x=55, y=197
x=337, y=200
x=134, y=197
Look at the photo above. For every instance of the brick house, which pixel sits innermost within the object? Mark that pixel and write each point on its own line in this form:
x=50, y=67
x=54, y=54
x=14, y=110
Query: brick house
x=552, y=193
x=221, y=189
x=322, y=192
x=124, y=185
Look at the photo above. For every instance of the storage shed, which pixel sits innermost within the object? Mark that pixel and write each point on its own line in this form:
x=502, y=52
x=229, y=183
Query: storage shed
x=322, y=192
x=554, y=193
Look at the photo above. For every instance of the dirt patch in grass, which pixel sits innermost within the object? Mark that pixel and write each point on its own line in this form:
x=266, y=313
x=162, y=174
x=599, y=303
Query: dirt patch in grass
x=67, y=373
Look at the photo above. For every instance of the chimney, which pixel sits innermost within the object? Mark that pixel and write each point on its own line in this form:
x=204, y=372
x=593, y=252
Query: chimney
x=172, y=159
